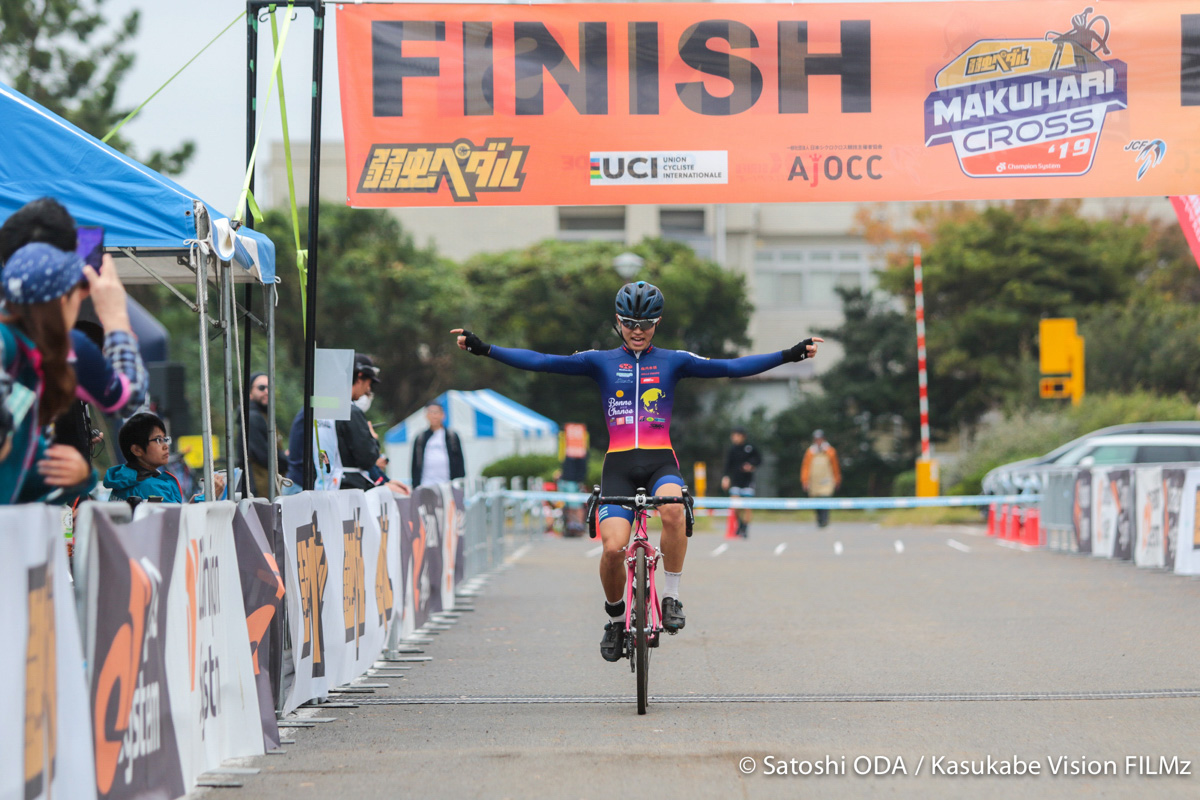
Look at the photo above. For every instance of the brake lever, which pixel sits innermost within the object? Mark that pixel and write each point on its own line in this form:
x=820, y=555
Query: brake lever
x=591, y=512
x=688, y=516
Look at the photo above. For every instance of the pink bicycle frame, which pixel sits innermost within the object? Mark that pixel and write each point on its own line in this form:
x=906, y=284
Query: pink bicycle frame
x=640, y=542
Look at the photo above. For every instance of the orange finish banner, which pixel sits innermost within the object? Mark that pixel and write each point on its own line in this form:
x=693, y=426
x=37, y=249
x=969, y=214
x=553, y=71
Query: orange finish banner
x=671, y=103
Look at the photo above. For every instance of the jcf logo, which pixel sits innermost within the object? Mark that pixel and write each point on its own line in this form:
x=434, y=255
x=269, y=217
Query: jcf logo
x=354, y=588
x=312, y=571
x=835, y=168
x=467, y=169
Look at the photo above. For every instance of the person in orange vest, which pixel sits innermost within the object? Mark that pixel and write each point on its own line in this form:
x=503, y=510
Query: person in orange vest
x=820, y=474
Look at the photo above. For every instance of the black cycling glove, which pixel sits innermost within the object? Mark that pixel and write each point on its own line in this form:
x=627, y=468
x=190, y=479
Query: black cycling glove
x=475, y=345
x=797, y=353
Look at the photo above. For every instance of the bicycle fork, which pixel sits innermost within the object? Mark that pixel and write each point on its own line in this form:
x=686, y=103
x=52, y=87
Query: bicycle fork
x=653, y=610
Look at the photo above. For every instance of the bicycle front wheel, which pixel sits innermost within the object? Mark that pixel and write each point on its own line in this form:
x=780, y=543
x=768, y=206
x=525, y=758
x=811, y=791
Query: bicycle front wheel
x=642, y=630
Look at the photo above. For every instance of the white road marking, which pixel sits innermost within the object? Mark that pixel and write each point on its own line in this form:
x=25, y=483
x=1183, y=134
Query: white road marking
x=721, y=548
x=518, y=554
x=780, y=548
x=595, y=551
x=837, y=548
x=899, y=546
x=958, y=546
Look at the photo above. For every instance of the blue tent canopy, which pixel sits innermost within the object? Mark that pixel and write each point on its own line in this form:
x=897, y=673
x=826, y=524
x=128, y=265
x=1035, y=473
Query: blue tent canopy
x=148, y=215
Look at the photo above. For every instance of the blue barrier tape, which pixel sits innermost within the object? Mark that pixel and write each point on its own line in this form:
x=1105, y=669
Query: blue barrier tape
x=800, y=503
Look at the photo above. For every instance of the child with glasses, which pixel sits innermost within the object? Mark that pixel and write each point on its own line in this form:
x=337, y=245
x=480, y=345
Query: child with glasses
x=147, y=449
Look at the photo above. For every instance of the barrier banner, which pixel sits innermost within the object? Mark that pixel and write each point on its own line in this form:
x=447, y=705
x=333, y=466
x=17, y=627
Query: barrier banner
x=625, y=103
x=363, y=629
x=133, y=718
x=1121, y=486
x=45, y=735
x=262, y=597
x=1081, y=511
x=306, y=574
x=219, y=698
x=1173, y=478
x=1187, y=551
x=388, y=603
x=1104, y=504
x=453, y=520
x=1150, y=516
x=423, y=583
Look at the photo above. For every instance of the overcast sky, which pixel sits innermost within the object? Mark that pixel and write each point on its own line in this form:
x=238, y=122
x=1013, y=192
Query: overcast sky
x=207, y=102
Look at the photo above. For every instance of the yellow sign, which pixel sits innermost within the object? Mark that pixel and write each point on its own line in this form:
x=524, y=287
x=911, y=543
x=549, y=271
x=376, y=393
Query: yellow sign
x=700, y=475
x=1061, y=351
x=928, y=478
x=192, y=448
x=1055, y=388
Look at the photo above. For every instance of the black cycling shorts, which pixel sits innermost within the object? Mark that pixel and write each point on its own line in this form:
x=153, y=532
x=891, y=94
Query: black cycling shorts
x=629, y=470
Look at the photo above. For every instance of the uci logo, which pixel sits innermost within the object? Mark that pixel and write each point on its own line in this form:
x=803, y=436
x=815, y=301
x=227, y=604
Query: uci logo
x=612, y=169
x=835, y=168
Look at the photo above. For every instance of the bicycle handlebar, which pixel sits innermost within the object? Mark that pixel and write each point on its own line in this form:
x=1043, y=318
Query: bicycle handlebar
x=640, y=501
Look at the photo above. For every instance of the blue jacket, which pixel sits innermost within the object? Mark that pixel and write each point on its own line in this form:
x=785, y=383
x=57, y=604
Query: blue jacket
x=124, y=482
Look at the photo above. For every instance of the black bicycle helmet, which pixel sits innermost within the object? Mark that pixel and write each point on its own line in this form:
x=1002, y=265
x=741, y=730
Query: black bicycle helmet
x=640, y=300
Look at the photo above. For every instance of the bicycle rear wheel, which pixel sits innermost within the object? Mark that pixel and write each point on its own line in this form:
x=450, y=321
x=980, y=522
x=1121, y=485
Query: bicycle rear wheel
x=641, y=631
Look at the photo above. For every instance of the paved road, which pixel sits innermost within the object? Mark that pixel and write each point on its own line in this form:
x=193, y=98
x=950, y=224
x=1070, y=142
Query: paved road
x=941, y=627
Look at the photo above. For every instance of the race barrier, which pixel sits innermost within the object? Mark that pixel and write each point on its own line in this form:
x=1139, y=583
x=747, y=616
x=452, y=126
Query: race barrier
x=169, y=657
x=1143, y=514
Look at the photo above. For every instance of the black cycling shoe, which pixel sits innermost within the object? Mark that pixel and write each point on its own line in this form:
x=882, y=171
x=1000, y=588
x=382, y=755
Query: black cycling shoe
x=672, y=613
x=612, y=645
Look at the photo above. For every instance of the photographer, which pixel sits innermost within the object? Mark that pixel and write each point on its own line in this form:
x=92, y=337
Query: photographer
x=44, y=287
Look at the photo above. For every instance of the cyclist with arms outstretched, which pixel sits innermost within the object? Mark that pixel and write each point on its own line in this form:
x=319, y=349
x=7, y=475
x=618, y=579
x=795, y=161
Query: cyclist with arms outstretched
x=637, y=382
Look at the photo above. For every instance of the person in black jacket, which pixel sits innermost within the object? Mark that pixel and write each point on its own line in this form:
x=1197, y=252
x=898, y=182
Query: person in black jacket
x=741, y=460
x=258, y=436
x=437, y=455
x=357, y=443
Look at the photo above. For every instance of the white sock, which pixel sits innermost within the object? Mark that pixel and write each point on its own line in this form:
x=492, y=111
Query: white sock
x=671, y=584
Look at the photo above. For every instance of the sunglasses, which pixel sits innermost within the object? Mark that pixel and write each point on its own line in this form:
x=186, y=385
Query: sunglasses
x=638, y=324
x=162, y=440
x=261, y=387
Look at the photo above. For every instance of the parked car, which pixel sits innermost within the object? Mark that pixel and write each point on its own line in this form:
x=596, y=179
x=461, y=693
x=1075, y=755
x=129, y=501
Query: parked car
x=1024, y=476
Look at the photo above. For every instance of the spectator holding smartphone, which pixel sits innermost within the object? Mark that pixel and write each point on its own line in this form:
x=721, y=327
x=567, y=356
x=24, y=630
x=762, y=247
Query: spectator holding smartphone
x=43, y=287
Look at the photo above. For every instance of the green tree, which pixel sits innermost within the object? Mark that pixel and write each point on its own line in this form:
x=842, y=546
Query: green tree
x=60, y=54
x=992, y=274
x=557, y=297
x=378, y=293
x=867, y=405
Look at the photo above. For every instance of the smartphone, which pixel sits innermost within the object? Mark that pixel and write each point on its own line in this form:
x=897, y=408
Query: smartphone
x=90, y=244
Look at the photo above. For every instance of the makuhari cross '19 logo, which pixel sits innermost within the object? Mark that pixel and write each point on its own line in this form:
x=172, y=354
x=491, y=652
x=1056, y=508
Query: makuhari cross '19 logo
x=1018, y=107
x=498, y=166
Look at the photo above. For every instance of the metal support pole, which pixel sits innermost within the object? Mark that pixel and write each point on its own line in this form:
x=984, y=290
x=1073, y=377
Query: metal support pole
x=251, y=120
x=201, y=267
x=314, y=206
x=273, y=450
x=232, y=440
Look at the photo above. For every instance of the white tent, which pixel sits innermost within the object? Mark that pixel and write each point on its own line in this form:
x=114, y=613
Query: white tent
x=490, y=425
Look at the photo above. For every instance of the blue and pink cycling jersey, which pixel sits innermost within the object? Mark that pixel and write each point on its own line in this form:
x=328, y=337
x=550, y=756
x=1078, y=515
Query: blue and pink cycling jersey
x=638, y=389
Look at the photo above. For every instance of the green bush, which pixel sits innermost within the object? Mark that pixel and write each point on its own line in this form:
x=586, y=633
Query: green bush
x=1028, y=434
x=533, y=464
x=905, y=484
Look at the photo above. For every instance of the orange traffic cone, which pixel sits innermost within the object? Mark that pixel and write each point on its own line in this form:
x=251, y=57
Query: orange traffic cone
x=1014, y=524
x=731, y=528
x=1033, y=532
x=991, y=529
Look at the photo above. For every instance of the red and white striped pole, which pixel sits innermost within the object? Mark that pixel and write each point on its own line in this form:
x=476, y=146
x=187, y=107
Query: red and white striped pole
x=922, y=376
